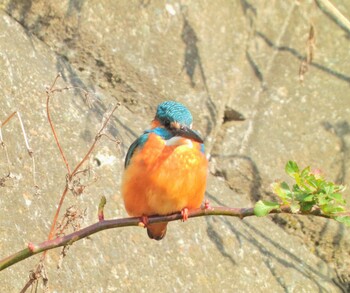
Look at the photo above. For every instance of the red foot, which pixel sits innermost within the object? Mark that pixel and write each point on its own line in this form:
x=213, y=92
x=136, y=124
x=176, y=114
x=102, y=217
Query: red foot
x=206, y=204
x=144, y=221
x=184, y=214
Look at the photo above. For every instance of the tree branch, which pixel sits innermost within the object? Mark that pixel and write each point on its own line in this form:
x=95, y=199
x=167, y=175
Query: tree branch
x=101, y=225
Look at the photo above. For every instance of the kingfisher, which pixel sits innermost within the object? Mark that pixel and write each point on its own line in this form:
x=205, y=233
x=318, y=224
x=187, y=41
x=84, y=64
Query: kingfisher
x=165, y=169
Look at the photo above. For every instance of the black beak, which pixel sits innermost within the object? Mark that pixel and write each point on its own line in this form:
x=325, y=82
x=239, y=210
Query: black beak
x=187, y=132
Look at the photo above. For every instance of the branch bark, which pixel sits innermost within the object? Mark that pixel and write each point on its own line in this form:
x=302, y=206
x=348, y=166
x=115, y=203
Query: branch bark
x=33, y=249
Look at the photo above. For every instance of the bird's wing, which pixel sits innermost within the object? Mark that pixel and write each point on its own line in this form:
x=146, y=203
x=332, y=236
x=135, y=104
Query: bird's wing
x=160, y=131
x=139, y=142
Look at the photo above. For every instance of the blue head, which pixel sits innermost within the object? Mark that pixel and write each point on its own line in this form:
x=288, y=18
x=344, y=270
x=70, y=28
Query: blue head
x=170, y=111
x=172, y=120
x=176, y=119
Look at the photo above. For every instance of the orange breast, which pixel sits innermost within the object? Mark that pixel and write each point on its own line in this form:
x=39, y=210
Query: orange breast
x=164, y=179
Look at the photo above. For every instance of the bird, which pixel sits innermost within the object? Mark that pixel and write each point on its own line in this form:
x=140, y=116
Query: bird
x=165, y=169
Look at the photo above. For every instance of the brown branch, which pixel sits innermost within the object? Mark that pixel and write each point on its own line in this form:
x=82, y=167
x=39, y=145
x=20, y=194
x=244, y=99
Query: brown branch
x=97, y=137
x=101, y=225
x=55, y=218
x=76, y=169
x=48, y=96
x=70, y=175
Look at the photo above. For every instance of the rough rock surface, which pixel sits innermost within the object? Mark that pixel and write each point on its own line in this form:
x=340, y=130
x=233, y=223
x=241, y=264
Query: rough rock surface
x=235, y=64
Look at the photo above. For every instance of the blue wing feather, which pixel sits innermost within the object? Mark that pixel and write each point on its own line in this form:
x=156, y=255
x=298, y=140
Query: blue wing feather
x=139, y=142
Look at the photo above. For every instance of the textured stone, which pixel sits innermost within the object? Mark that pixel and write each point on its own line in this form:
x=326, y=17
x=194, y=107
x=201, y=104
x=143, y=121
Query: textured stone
x=217, y=57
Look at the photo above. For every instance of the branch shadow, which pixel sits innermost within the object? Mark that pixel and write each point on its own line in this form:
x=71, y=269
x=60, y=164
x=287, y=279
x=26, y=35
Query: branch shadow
x=330, y=16
x=23, y=8
x=99, y=108
x=192, y=60
x=250, y=233
x=255, y=181
x=340, y=130
x=299, y=56
x=216, y=238
x=257, y=72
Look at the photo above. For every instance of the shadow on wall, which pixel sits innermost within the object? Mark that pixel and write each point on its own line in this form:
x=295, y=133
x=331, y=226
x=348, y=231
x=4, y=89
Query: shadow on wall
x=98, y=107
x=300, y=56
x=24, y=7
x=192, y=60
x=258, y=239
x=340, y=130
x=43, y=19
x=249, y=168
x=332, y=17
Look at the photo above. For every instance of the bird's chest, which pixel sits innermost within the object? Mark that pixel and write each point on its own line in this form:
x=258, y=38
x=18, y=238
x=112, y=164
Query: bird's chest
x=162, y=179
x=157, y=156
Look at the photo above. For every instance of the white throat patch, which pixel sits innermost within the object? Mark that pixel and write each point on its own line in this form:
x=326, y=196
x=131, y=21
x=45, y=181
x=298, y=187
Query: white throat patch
x=178, y=140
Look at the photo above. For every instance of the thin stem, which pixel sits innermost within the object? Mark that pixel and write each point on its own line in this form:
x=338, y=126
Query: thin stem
x=76, y=169
x=30, y=152
x=97, y=137
x=53, y=128
x=26, y=141
x=53, y=226
x=8, y=119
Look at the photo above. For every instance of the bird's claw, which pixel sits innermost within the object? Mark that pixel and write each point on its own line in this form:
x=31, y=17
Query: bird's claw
x=206, y=205
x=144, y=221
x=184, y=214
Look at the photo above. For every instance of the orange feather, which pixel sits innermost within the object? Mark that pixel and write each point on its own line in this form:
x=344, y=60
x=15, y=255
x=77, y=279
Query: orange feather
x=163, y=179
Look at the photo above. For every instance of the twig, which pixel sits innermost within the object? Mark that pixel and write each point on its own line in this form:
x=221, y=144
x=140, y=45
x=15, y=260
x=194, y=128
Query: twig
x=304, y=66
x=36, y=274
x=70, y=174
x=101, y=206
x=48, y=96
x=29, y=149
x=54, y=222
x=97, y=137
x=101, y=225
x=49, y=92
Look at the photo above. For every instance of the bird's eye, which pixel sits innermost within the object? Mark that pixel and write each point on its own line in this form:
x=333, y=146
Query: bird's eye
x=167, y=123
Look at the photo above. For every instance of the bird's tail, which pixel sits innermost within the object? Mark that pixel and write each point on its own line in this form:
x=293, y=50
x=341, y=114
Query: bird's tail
x=157, y=231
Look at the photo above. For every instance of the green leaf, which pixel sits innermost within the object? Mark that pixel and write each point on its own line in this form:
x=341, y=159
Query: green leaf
x=296, y=188
x=282, y=190
x=307, y=206
x=329, y=188
x=306, y=171
x=343, y=219
x=329, y=209
x=262, y=207
x=308, y=198
x=304, y=196
x=322, y=199
x=292, y=168
x=312, y=181
x=337, y=197
x=285, y=188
